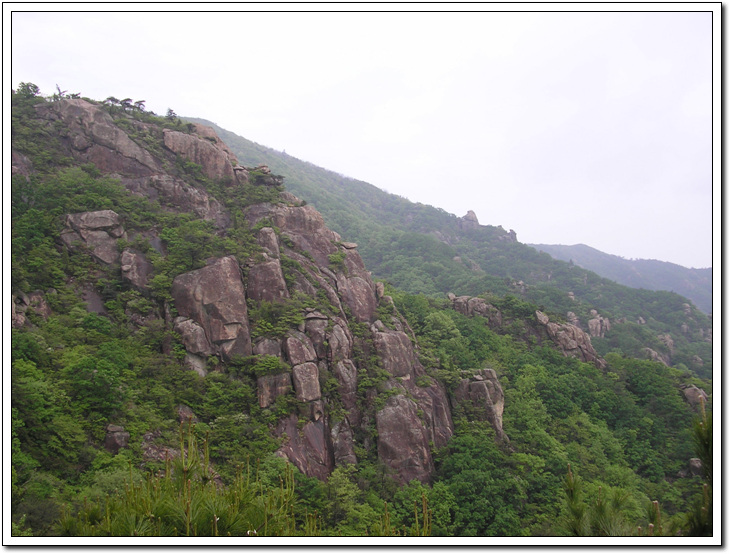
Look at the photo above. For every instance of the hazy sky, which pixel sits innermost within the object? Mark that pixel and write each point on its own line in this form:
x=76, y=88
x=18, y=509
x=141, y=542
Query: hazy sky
x=569, y=128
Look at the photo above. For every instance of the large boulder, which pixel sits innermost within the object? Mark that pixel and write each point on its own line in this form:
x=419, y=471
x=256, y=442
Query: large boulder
x=695, y=396
x=340, y=341
x=434, y=404
x=571, y=340
x=92, y=136
x=216, y=163
x=310, y=449
x=304, y=227
x=345, y=372
x=34, y=301
x=270, y=387
x=306, y=382
x=342, y=443
x=266, y=281
x=469, y=222
x=19, y=307
x=481, y=398
x=316, y=327
x=414, y=420
x=98, y=231
x=655, y=356
x=177, y=195
x=299, y=349
x=358, y=292
x=472, y=305
x=193, y=337
x=599, y=325
x=136, y=269
x=395, y=351
x=267, y=347
x=215, y=299
x=268, y=240
x=340, y=270
x=116, y=438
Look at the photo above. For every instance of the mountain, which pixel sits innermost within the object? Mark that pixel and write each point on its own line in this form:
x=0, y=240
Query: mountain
x=195, y=352
x=423, y=249
x=695, y=284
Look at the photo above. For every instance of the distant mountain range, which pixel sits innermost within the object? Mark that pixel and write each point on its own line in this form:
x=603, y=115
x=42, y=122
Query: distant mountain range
x=695, y=284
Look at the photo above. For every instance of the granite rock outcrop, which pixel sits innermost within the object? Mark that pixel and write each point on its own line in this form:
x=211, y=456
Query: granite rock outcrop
x=350, y=381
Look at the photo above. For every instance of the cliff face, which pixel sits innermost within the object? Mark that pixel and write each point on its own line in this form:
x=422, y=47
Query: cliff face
x=352, y=377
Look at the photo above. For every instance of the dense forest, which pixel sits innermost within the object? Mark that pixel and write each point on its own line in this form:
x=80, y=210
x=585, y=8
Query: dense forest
x=116, y=431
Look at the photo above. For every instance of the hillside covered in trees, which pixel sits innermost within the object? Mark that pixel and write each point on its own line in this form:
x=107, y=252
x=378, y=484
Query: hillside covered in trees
x=695, y=284
x=196, y=351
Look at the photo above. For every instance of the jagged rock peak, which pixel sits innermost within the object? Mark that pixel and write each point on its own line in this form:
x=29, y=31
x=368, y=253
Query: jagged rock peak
x=469, y=221
x=471, y=216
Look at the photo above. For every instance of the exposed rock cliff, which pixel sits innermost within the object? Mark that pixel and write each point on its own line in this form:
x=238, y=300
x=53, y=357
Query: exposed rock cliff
x=91, y=135
x=349, y=381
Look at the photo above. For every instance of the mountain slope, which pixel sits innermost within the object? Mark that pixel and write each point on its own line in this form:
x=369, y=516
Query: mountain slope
x=422, y=249
x=695, y=284
x=166, y=296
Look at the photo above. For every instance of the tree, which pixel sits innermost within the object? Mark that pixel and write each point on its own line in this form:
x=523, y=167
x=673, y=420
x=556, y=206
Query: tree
x=186, y=500
x=347, y=510
x=609, y=515
x=59, y=94
x=698, y=521
x=28, y=90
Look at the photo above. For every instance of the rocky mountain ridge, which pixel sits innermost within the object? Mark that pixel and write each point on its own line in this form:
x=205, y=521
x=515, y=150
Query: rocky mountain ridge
x=349, y=371
x=423, y=249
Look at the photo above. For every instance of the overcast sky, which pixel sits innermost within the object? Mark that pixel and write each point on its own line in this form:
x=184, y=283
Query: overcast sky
x=569, y=128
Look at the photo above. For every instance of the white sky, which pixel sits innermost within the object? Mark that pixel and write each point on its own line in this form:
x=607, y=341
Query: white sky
x=569, y=128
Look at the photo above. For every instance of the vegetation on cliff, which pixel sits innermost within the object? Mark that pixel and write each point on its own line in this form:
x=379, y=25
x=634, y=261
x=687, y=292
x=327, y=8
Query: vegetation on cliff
x=128, y=418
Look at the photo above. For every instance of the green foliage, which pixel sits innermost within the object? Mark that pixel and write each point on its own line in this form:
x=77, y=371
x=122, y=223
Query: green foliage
x=275, y=319
x=259, y=366
x=186, y=501
x=697, y=521
x=614, y=424
x=490, y=497
x=626, y=427
x=611, y=514
x=337, y=261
